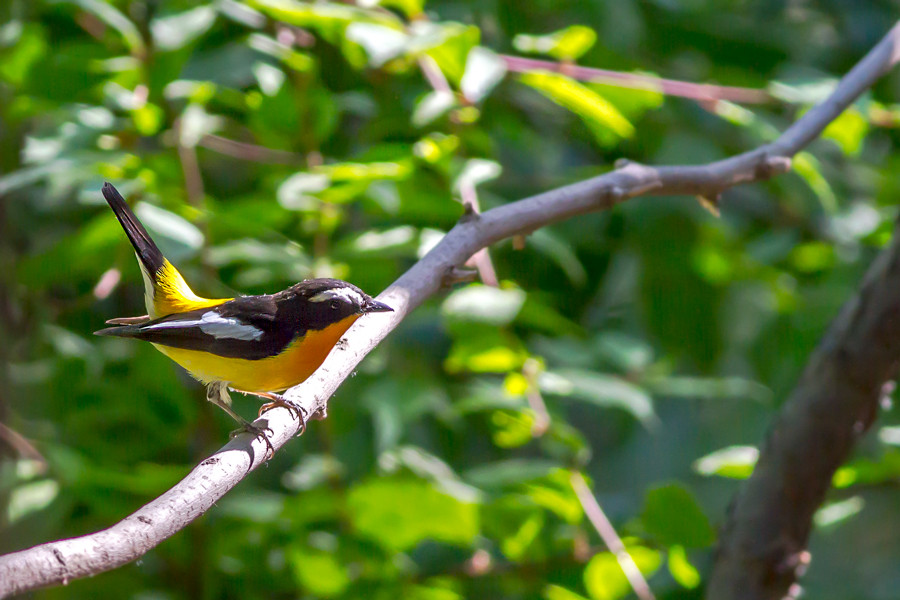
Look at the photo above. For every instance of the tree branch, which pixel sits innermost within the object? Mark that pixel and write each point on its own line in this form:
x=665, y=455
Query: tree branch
x=65, y=560
x=763, y=546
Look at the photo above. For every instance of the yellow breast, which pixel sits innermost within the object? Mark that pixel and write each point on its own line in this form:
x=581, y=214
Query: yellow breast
x=273, y=374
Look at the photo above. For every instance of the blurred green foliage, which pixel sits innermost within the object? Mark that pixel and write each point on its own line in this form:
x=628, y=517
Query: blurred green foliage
x=265, y=141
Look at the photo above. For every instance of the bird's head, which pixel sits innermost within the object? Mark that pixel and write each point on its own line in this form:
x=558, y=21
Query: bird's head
x=327, y=301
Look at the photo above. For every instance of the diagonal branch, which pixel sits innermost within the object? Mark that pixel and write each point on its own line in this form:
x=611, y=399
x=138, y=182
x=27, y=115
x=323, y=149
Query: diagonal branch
x=65, y=560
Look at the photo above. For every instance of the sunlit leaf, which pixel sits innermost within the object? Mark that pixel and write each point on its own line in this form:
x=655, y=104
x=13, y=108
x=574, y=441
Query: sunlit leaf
x=380, y=43
x=176, y=31
x=512, y=429
x=735, y=462
x=431, y=106
x=484, y=70
x=681, y=568
x=566, y=44
x=30, y=497
x=298, y=191
x=834, y=513
x=400, y=512
x=848, y=131
x=485, y=304
x=604, y=578
x=477, y=171
x=605, y=121
x=555, y=592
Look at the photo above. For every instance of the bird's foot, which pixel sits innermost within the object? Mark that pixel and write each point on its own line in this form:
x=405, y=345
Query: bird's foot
x=297, y=411
x=259, y=432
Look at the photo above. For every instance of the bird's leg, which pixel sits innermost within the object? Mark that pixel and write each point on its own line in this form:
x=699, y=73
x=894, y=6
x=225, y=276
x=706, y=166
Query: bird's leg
x=217, y=393
x=297, y=411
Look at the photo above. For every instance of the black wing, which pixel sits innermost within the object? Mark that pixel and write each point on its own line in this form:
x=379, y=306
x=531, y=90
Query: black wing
x=251, y=327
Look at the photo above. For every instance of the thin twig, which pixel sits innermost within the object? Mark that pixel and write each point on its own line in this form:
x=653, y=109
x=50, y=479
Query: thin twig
x=481, y=259
x=22, y=446
x=65, y=560
x=249, y=152
x=703, y=92
x=609, y=536
x=530, y=371
x=433, y=74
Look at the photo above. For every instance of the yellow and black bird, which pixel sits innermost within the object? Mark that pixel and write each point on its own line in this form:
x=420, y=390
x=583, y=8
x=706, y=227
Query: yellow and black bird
x=258, y=345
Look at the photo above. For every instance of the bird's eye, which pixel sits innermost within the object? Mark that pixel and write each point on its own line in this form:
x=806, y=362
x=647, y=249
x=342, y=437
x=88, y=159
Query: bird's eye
x=335, y=304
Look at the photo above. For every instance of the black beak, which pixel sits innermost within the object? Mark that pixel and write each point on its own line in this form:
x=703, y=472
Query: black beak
x=376, y=306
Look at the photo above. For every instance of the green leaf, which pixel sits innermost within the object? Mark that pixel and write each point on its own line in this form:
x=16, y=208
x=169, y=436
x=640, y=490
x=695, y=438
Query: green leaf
x=604, y=578
x=807, y=166
x=196, y=123
x=848, y=131
x=602, y=390
x=560, y=251
x=681, y=568
x=410, y=8
x=709, y=388
x=110, y=15
x=431, y=106
x=517, y=545
x=319, y=572
x=834, y=513
x=297, y=192
x=176, y=31
x=482, y=349
x=484, y=304
x=392, y=171
x=178, y=237
x=475, y=172
x=735, y=462
x=380, y=43
x=555, y=494
x=672, y=516
x=504, y=473
x=400, y=512
x=555, y=592
x=605, y=121
x=451, y=55
x=631, y=102
x=484, y=70
x=28, y=49
x=30, y=498
x=566, y=44
x=624, y=352
x=511, y=429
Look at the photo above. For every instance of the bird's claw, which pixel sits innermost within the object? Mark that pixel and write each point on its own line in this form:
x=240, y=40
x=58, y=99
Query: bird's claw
x=259, y=432
x=296, y=411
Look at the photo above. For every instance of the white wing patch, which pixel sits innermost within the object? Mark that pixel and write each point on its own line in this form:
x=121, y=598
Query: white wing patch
x=220, y=327
x=342, y=293
x=214, y=324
